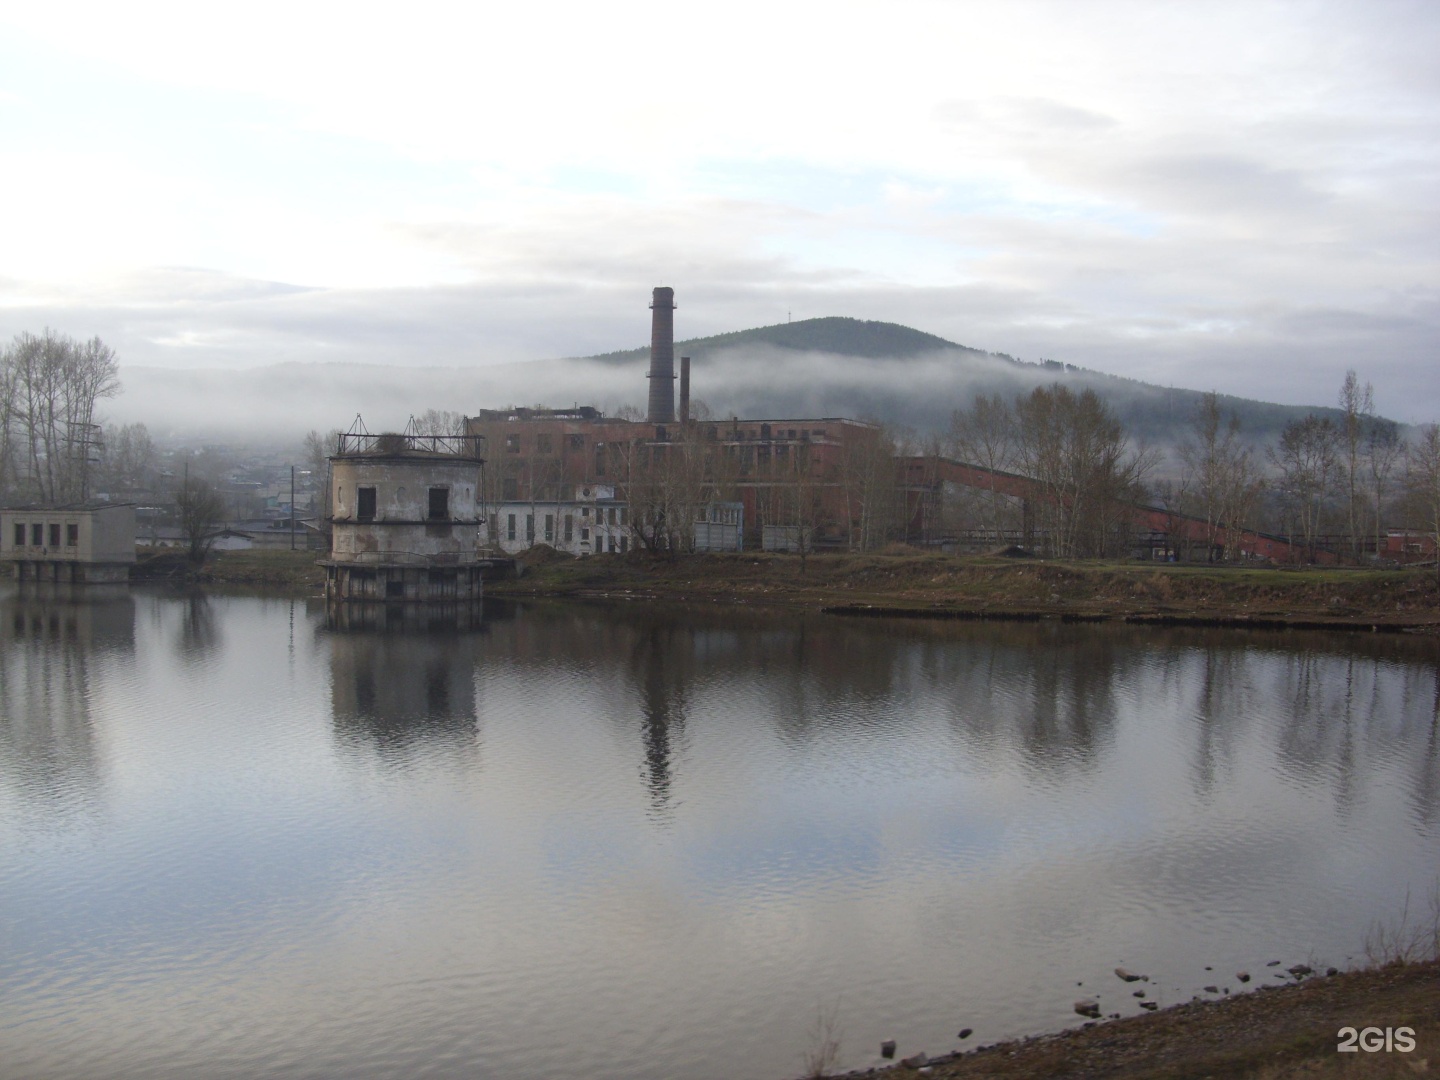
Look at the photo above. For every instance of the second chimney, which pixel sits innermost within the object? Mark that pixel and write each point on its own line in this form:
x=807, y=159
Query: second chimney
x=684, y=389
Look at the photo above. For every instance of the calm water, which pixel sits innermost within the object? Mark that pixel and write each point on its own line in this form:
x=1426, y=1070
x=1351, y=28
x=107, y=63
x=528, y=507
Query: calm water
x=237, y=842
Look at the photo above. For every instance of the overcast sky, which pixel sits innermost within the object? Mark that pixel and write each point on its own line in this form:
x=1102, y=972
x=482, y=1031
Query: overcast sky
x=1239, y=197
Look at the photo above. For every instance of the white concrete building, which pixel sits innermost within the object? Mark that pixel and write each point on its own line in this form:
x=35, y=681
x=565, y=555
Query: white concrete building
x=594, y=521
x=84, y=543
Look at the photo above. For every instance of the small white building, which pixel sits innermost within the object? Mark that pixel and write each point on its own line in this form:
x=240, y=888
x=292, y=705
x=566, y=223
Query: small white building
x=594, y=521
x=720, y=526
x=83, y=543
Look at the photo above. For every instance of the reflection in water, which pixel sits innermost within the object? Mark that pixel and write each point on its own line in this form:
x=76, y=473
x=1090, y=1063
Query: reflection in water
x=401, y=678
x=660, y=666
x=930, y=814
x=50, y=638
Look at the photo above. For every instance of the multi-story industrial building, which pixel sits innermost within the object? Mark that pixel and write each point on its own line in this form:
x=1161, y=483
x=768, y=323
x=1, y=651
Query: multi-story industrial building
x=670, y=471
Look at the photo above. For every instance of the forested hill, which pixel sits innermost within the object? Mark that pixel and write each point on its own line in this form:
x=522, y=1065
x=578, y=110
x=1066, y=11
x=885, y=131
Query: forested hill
x=852, y=367
x=817, y=367
x=834, y=334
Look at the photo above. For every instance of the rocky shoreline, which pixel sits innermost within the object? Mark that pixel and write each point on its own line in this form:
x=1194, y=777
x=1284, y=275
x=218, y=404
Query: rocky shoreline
x=1273, y=1031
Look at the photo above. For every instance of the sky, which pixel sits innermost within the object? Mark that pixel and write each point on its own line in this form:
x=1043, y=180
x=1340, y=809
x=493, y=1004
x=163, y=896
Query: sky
x=1231, y=196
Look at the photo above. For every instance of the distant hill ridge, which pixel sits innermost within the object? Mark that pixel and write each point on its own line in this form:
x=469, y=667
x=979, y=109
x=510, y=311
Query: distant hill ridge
x=835, y=334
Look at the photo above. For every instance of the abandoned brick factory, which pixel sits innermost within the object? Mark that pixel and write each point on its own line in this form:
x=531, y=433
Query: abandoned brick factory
x=416, y=516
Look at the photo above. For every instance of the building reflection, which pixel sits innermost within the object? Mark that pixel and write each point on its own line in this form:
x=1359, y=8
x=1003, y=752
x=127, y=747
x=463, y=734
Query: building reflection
x=52, y=637
x=402, y=679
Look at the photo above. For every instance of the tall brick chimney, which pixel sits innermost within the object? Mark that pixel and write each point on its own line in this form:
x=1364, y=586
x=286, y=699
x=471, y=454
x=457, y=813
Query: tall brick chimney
x=662, y=357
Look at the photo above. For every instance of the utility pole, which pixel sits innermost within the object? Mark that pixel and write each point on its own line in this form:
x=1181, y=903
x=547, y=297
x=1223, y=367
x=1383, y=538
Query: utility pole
x=292, y=507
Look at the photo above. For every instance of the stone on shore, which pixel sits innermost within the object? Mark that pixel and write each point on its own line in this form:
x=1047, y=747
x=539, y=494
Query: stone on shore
x=1088, y=1008
x=1127, y=975
x=887, y=1048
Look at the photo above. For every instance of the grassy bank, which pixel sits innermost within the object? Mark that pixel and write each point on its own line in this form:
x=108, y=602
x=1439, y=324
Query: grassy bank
x=997, y=587
x=287, y=571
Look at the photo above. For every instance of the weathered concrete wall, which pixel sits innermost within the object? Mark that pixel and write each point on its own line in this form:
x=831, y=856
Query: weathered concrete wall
x=404, y=519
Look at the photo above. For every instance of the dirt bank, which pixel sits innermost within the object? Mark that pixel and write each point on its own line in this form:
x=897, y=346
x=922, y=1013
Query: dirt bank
x=945, y=586
x=1291, y=1031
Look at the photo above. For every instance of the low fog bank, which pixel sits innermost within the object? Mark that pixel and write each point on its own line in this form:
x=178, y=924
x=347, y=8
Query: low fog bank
x=276, y=405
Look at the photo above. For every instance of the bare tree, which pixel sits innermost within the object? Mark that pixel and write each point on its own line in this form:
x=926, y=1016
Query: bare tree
x=439, y=422
x=1078, y=454
x=1357, y=403
x=129, y=459
x=984, y=435
x=1221, y=480
x=1308, y=461
x=867, y=479
x=1422, y=467
x=51, y=385
x=1383, y=451
x=201, y=510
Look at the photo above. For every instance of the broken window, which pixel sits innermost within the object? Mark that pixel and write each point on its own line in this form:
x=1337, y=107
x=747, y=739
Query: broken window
x=512, y=444
x=54, y=535
x=569, y=528
x=599, y=459
x=577, y=442
x=530, y=528
x=549, y=528
x=439, y=503
x=72, y=535
x=19, y=534
x=510, y=528
x=365, y=510
x=543, y=445
x=37, y=535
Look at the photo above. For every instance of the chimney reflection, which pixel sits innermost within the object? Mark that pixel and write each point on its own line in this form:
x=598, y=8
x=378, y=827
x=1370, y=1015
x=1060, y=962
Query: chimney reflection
x=402, y=679
x=661, y=664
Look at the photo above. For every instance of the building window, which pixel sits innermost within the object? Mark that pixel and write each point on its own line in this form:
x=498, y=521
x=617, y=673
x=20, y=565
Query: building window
x=54, y=535
x=72, y=535
x=623, y=544
x=530, y=528
x=543, y=444
x=365, y=511
x=439, y=503
x=549, y=528
x=510, y=489
x=569, y=528
x=512, y=444
x=599, y=459
x=19, y=534
x=510, y=527
x=577, y=442
x=37, y=535
x=585, y=535
x=622, y=515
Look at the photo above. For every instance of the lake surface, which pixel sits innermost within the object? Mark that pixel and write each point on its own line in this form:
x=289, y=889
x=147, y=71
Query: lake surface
x=236, y=841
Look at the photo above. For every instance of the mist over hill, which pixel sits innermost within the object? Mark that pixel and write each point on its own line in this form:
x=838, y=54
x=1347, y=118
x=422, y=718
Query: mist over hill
x=816, y=367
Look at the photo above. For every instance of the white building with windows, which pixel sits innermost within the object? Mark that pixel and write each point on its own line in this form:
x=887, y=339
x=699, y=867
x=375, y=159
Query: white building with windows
x=83, y=543
x=592, y=523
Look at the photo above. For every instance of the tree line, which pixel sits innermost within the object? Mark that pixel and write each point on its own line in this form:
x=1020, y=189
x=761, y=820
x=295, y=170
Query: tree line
x=1342, y=482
